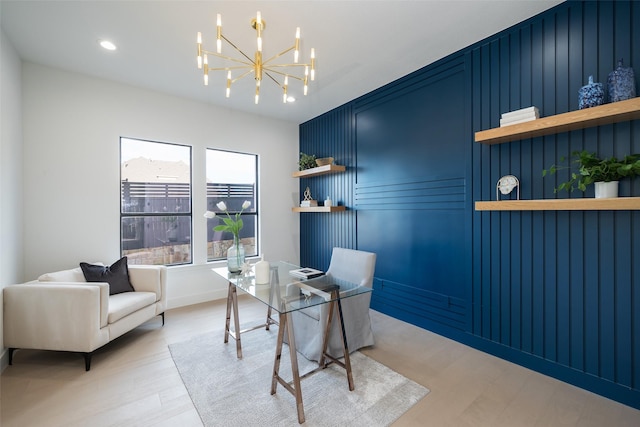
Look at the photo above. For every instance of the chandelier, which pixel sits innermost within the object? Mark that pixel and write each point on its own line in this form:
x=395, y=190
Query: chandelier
x=256, y=66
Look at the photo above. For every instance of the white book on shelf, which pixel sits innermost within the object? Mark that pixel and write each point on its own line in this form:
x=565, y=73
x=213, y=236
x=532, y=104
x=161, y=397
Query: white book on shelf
x=519, y=117
x=515, y=122
x=524, y=111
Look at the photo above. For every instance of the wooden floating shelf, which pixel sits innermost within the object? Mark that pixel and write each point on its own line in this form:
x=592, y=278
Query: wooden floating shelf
x=320, y=170
x=585, y=204
x=565, y=122
x=320, y=209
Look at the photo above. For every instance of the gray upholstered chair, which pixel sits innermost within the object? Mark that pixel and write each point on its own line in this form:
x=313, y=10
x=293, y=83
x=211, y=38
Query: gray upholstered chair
x=350, y=266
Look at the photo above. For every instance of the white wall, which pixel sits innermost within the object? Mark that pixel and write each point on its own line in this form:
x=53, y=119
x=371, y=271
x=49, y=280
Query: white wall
x=11, y=189
x=72, y=126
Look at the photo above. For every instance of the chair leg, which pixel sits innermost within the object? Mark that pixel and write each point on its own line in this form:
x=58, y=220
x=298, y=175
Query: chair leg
x=162, y=314
x=11, y=350
x=87, y=361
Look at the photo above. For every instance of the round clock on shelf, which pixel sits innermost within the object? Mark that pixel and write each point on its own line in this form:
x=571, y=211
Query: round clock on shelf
x=506, y=184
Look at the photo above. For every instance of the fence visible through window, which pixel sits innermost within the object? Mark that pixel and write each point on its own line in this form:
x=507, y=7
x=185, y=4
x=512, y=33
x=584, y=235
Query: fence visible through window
x=156, y=221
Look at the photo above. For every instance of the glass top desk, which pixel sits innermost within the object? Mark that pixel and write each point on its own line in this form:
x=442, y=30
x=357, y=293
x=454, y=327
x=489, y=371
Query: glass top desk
x=285, y=294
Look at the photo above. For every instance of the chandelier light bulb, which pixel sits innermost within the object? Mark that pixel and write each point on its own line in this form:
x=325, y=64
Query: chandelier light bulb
x=219, y=33
x=199, y=42
x=259, y=30
x=286, y=83
x=313, y=64
x=206, y=70
x=296, y=52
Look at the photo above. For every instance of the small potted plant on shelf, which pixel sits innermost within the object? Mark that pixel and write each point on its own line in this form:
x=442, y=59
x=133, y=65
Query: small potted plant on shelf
x=307, y=161
x=604, y=173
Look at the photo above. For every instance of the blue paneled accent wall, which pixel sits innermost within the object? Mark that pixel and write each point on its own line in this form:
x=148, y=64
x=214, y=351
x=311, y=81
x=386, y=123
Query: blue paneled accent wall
x=556, y=291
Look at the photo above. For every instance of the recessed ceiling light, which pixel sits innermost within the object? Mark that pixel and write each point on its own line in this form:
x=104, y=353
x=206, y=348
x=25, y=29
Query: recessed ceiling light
x=291, y=99
x=107, y=45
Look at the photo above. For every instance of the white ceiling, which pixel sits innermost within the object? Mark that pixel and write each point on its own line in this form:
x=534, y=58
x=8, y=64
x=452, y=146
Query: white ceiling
x=360, y=45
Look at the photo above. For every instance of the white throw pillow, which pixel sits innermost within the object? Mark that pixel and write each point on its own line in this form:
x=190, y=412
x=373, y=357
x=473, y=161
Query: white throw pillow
x=73, y=275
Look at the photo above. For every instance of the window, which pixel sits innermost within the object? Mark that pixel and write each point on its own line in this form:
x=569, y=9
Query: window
x=232, y=179
x=155, y=208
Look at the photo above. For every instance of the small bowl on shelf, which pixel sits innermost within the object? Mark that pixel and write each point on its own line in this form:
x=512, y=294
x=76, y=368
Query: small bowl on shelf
x=324, y=161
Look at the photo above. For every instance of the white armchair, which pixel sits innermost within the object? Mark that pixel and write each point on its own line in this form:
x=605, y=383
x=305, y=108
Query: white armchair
x=351, y=266
x=61, y=311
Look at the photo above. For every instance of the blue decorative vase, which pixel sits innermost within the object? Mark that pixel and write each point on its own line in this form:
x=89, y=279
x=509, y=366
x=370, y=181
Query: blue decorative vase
x=621, y=83
x=590, y=95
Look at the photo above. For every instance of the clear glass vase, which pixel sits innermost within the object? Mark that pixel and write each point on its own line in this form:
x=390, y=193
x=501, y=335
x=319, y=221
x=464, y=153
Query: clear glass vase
x=235, y=256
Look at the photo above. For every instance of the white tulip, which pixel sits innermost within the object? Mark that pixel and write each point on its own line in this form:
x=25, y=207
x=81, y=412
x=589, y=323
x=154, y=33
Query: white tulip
x=209, y=214
x=222, y=206
x=246, y=204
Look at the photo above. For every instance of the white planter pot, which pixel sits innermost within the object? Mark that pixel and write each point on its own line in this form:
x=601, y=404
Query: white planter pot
x=606, y=190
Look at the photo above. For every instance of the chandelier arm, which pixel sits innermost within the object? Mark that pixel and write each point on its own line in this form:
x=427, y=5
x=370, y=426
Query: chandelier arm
x=273, y=78
x=239, y=67
x=239, y=61
x=236, y=48
x=242, y=75
x=291, y=76
x=231, y=68
x=287, y=65
x=280, y=54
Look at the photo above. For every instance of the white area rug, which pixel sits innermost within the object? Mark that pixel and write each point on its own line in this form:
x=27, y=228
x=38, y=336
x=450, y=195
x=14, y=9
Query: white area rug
x=228, y=391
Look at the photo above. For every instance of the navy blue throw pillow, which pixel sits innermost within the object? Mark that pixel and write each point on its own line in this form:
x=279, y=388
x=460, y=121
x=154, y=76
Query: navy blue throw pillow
x=116, y=274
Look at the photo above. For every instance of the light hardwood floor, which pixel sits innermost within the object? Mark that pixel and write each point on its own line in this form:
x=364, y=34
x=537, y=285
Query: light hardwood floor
x=134, y=382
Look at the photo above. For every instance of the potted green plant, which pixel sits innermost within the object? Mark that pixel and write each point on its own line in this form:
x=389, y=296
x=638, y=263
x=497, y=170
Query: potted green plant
x=590, y=169
x=307, y=161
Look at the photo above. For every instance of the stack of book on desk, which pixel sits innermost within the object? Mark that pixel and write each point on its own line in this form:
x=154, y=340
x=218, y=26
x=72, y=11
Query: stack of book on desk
x=519, y=116
x=306, y=273
x=308, y=203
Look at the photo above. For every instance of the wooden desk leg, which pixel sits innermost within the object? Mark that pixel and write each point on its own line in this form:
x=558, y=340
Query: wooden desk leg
x=232, y=304
x=286, y=322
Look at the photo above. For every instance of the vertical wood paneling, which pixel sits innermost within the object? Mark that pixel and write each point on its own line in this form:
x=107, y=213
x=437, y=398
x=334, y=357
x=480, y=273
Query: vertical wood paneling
x=635, y=298
x=329, y=135
x=562, y=280
x=556, y=291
